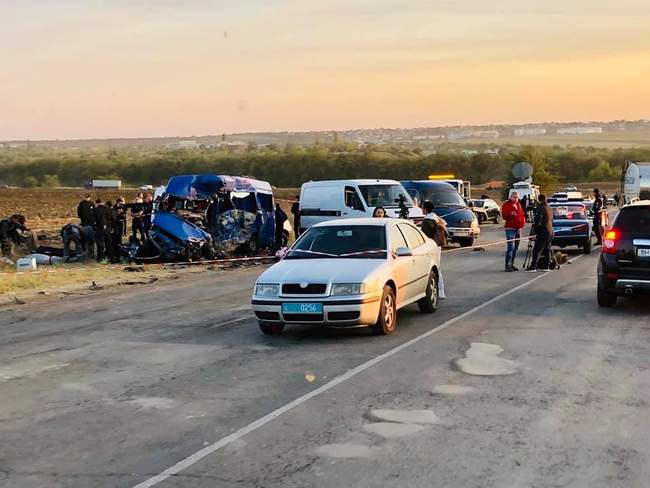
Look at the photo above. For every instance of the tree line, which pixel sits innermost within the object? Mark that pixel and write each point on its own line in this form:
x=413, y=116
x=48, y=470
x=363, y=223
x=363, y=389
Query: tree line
x=290, y=166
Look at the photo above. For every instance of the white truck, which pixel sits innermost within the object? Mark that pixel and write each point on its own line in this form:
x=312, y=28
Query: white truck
x=636, y=182
x=106, y=184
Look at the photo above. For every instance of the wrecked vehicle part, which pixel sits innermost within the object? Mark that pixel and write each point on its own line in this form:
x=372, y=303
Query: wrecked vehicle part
x=234, y=215
x=173, y=238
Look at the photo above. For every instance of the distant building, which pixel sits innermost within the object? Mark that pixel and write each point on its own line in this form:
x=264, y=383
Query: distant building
x=234, y=146
x=183, y=145
x=580, y=130
x=486, y=134
x=469, y=152
x=533, y=131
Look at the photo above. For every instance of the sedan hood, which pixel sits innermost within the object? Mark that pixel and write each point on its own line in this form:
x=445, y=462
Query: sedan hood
x=346, y=270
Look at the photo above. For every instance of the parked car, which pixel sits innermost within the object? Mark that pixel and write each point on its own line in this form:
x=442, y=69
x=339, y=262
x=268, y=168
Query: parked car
x=571, y=225
x=462, y=224
x=350, y=273
x=624, y=264
x=343, y=199
x=486, y=209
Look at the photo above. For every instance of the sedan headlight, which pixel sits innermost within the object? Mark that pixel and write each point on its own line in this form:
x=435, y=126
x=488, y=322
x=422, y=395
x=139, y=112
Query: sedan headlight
x=267, y=290
x=340, y=289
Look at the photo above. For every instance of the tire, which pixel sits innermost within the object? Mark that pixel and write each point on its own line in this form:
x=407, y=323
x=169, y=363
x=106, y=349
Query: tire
x=497, y=219
x=606, y=299
x=387, y=319
x=586, y=247
x=271, y=329
x=465, y=241
x=429, y=303
x=479, y=217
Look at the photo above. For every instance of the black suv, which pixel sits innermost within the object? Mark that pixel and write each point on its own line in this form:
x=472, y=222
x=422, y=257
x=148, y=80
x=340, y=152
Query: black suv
x=624, y=266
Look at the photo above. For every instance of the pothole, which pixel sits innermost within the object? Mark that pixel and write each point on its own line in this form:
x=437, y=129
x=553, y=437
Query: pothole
x=482, y=359
x=391, y=430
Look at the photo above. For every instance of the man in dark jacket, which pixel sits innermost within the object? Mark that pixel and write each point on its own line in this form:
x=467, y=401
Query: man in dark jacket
x=597, y=208
x=280, y=219
x=104, y=229
x=81, y=237
x=295, y=210
x=433, y=226
x=119, y=230
x=86, y=212
x=9, y=233
x=543, y=235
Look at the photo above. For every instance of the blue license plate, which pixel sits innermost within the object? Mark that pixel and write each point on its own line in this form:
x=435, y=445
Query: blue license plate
x=302, y=308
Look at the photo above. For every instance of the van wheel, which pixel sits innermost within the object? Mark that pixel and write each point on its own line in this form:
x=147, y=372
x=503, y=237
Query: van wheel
x=479, y=217
x=497, y=219
x=429, y=303
x=387, y=313
x=606, y=299
x=271, y=329
x=586, y=247
x=466, y=241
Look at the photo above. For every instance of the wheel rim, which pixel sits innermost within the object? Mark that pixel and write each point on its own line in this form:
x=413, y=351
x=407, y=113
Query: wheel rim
x=389, y=312
x=434, y=290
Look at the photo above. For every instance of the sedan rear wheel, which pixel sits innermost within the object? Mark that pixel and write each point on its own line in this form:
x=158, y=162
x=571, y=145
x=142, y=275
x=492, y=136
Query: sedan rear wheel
x=387, y=319
x=429, y=303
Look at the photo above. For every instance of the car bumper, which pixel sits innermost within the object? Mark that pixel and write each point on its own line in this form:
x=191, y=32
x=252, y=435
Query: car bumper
x=463, y=233
x=620, y=279
x=345, y=312
x=570, y=240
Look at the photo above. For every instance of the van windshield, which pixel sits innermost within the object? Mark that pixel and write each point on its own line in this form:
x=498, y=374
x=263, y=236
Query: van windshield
x=446, y=197
x=384, y=195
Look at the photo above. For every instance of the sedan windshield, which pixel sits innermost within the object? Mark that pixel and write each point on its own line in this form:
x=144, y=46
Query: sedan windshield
x=443, y=198
x=351, y=241
x=384, y=195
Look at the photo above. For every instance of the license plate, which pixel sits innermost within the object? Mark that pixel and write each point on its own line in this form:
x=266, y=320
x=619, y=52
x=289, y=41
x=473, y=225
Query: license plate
x=302, y=308
x=643, y=252
x=461, y=232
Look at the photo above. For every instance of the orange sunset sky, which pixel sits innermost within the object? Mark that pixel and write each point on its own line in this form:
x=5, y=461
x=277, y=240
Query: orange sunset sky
x=129, y=68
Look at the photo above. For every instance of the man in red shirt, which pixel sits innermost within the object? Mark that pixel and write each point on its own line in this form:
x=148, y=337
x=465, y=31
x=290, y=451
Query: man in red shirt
x=515, y=220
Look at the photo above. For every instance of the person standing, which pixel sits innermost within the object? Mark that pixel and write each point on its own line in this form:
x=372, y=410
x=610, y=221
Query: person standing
x=137, y=222
x=597, y=208
x=86, y=211
x=280, y=219
x=119, y=228
x=104, y=229
x=543, y=235
x=295, y=210
x=147, y=207
x=617, y=199
x=524, y=205
x=514, y=220
x=433, y=226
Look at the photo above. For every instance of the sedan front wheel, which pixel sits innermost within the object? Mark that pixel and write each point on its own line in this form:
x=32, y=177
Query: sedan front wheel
x=387, y=313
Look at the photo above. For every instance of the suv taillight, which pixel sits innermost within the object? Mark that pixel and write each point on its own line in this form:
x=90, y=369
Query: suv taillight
x=609, y=242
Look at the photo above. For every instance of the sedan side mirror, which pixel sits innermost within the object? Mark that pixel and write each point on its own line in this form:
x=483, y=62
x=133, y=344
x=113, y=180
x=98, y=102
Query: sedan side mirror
x=403, y=252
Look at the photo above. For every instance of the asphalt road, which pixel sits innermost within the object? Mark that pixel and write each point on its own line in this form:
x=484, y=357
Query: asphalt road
x=518, y=380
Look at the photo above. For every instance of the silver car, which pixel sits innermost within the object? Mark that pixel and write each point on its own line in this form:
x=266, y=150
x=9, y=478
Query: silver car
x=350, y=273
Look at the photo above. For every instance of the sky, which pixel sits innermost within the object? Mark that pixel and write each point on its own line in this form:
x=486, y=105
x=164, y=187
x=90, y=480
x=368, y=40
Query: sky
x=74, y=69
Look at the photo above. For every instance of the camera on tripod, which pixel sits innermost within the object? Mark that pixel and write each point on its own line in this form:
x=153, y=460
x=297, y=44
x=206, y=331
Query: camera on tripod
x=403, y=208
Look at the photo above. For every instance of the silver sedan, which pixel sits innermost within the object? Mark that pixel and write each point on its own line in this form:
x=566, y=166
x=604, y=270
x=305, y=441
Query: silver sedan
x=350, y=273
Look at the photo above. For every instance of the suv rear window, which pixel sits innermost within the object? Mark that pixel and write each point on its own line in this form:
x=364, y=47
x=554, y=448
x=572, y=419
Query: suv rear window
x=634, y=219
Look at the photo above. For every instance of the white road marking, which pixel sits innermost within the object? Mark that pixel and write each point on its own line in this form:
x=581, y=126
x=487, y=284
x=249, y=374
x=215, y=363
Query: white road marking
x=224, y=441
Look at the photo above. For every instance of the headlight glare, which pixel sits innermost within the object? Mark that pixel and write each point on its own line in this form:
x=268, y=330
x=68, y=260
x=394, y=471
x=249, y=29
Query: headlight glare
x=267, y=289
x=341, y=289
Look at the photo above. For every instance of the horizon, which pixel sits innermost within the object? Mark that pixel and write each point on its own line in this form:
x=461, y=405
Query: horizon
x=77, y=70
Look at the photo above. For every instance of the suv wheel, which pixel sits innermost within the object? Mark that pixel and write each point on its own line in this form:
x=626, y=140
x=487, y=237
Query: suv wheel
x=429, y=303
x=605, y=298
x=387, y=313
x=271, y=329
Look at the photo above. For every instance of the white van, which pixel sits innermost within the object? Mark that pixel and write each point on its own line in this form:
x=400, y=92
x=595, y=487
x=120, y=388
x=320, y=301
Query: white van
x=346, y=199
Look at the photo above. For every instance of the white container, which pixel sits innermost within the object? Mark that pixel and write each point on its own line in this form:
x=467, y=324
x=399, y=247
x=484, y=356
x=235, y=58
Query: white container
x=26, y=264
